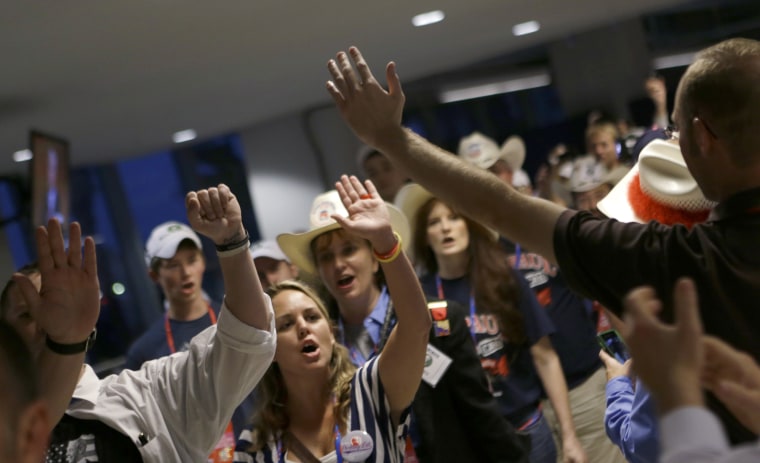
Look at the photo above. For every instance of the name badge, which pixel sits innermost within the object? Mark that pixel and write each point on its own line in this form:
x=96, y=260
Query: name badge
x=436, y=364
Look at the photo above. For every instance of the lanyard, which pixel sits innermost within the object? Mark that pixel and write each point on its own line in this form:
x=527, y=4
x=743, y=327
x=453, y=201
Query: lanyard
x=168, y=329
x=281, y=453
x=518, y=253
x=473, y=317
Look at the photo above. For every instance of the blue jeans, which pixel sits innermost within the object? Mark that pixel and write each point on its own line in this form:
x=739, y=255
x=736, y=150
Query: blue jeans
x=542, y=449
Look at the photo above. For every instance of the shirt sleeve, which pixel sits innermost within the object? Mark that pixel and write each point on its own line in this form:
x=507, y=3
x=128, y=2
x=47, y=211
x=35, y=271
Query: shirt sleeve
x=537, y=321
x=197, y=390
x=617, y=416
x=694, y=435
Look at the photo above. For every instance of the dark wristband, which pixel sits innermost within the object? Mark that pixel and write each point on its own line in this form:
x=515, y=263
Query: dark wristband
x=233, y=245
x=71, y=349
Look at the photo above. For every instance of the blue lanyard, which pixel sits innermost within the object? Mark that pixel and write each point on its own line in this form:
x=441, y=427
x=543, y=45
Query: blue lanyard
x=518, y=252
x=441, y=296
x=281, y=453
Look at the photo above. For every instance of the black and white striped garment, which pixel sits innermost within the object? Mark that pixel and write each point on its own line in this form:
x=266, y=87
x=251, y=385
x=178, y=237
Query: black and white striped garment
x=369, y=412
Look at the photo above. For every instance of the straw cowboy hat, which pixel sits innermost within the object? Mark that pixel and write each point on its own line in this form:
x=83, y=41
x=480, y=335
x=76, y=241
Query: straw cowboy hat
x=297, y=246
x=659, y=187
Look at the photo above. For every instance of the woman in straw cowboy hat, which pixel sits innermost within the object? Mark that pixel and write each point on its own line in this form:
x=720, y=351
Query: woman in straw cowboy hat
x=464, y=262
x=314, y=405
x=454, y=414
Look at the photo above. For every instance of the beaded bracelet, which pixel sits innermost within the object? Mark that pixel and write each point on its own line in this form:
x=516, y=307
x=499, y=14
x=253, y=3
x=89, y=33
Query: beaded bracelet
x=391, y=255
x=232, y=252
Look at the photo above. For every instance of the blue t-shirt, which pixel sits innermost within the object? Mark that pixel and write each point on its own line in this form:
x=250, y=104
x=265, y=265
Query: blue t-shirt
x=154, y=343
x=513, y=378
x=572, y=315
x=369, y=412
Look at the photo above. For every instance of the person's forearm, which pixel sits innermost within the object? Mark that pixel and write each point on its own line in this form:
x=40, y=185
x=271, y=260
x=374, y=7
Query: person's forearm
x=58, y=377
x=549, y=370
x=523, y=219
x=242, y=290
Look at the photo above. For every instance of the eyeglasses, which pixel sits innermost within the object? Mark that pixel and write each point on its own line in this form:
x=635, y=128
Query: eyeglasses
x=672, y=132
x=704, y=122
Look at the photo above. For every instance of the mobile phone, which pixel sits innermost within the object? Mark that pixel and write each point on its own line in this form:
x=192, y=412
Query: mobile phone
x=613, y=344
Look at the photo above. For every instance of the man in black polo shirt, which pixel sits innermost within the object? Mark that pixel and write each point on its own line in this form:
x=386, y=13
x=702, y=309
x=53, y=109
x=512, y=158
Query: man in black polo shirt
x=716, y=111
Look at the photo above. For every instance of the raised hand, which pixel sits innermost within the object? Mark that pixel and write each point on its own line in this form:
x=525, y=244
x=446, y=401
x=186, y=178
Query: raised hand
x=368, y=216
x=215, y=213
x=614, y=368
x=67, y=305
x=366, y=106
x=734, y=377
x=668, y=358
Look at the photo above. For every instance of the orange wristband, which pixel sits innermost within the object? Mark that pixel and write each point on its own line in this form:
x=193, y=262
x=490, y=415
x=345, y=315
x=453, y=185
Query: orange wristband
x=391, y=255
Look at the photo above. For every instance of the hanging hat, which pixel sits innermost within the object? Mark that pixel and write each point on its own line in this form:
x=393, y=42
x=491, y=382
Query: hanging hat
x=297, y=246
x=659, y=187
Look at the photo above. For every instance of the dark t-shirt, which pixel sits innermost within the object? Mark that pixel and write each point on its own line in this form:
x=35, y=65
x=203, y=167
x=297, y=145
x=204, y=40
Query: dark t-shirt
x=572, y=315
x=509, y=367
x=604, y=259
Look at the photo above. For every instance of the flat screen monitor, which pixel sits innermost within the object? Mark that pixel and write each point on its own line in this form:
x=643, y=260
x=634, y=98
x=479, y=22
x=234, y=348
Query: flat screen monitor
x=49, y=178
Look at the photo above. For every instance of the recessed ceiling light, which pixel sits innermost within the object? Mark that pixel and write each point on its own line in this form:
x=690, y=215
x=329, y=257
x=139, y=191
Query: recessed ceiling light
x=526, y=28
x=425, y=19
x=22, y=155
x=184, y=135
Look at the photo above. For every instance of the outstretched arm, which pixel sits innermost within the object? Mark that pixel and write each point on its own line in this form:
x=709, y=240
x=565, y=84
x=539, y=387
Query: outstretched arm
x=66, y=308
x=374, y=114
x=215, y=213
x=403, y=356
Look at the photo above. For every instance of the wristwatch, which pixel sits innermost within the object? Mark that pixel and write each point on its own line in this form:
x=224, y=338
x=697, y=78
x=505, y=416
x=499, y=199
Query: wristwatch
x=71, y=349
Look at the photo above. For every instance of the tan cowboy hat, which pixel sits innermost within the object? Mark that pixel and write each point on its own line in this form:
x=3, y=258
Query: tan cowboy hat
x=297, y=246
x=663, y=178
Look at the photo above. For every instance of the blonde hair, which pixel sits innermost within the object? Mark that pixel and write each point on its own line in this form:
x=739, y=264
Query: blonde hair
x=602, y=128
x=270, y=416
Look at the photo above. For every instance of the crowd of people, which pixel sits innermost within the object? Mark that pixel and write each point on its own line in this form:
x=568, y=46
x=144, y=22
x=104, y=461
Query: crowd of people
x=442, y=310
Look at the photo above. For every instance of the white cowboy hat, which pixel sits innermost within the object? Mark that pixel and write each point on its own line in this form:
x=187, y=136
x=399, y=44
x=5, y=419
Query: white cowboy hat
x=664, y=181
x=297, y=246
x=483, y=152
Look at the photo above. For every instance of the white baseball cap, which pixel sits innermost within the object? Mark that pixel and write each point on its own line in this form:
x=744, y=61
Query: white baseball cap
x=165, y=239
x=267, y=248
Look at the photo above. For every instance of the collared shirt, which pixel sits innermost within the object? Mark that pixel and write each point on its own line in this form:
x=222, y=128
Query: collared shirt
x=175, y=408
x=360, y=350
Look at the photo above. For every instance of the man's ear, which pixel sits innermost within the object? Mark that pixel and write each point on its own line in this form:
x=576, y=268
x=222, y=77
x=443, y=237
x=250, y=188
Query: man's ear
x=33, y=433
x=153, y=275
x=704, y=138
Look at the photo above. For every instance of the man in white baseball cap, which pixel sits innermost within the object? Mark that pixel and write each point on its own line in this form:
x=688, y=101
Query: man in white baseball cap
x=272, y=265
x=175, y=261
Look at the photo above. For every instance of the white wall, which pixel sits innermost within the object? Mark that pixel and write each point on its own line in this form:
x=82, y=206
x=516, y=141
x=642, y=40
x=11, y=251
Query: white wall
x=290, y=161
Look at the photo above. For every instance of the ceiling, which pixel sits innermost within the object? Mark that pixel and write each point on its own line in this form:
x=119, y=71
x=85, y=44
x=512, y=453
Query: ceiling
x=118, y=78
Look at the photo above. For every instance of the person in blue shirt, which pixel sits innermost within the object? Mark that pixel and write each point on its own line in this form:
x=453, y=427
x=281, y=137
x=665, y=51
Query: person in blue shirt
x=631, y=418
